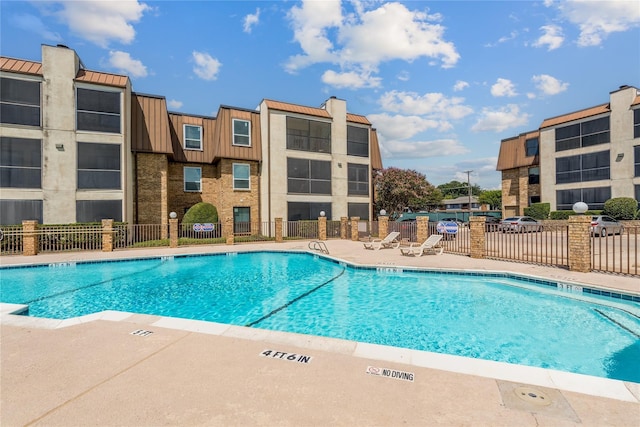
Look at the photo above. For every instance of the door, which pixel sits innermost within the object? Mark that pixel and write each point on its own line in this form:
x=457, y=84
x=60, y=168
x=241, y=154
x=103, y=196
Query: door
x=241, y=220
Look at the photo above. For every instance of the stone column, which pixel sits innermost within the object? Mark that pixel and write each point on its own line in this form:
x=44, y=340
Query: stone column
x=322, y=228
x=173, y=232
x=477, y=236
x=422, y=228
x=228, y=231
x=343, y=227
x=383, y=226
x=354, y=228
x=579, y=243
x=279, y=238
x=107, y=235
x=30, y=242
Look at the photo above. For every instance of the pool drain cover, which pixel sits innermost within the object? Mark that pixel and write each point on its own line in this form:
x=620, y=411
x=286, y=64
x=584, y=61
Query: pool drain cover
x=532, y=395
x=141, y=333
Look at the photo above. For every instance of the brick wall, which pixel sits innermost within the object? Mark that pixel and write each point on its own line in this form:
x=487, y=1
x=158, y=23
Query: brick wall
x=150, y=193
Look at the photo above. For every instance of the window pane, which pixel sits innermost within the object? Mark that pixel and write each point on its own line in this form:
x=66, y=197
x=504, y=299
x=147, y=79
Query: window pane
x=97, y=210
x=567, y=132
x=319, y=129
x=320, y=169
x=595, y=139
x=99, y=101
x=565, y=164
x=531, y=147
x=358, y=209
x=300, y=211
x=192, y=132
x=594, y=126
x=20, y=152
x=297, y=168
x=99, y=180
x=19, y=91
x=241, y=127
x=241, y=171
x=16, y=211
x=98, y=156
x=568, y=144
x=297, y=185
x=20, y=178
x=98, y=122
x=20, y=114
x=320, y=187
x=595, y=160
x=192, y=178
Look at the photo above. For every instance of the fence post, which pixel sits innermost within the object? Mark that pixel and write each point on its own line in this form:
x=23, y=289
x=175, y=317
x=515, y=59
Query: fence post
x=173, y=232
x=30, y=238
x=107, y=235
x=279, y=238
x=383, y=226
x=354, y=228
x=579, y=243
x=343, y=227
x=322, y=228
x=228, y=230
x=422, y=228
x=477, y=237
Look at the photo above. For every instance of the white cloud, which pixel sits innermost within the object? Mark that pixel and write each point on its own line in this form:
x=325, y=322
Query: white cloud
x=552, y=37
x=102, y=21
x=404, y=76
x=434, y=105
x=251, y=20
x=500, y=119
x=350, y=79
x=123, y=62
x=206, y=67
x=403, y=127
x=394, y=149
x=460, y=85
x=598, y=19
x=35, y=25
x=503, y=87
x=549, y=85
x=174, y=104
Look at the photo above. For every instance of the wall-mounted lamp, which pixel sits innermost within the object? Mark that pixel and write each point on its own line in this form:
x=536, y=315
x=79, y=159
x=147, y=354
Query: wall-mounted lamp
x=60, y=147
x=619, y=157
x=173, y=215
x=339, y=165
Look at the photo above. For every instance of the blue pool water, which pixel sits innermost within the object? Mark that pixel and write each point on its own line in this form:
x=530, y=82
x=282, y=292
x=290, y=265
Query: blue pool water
x=482, y=316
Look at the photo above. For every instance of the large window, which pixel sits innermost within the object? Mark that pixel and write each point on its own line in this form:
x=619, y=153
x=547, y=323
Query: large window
x=534, y=175
x=98, y=166
x=15, y=211
x=360, y=210
x=241, y=176
x=584, y=167
x=308, y=135
x=308, y=176
x=19, y=102
x=242, y=132
x=636, y=123
x=192, y=137
x=636, y=160
x=358, y=179
x=98, y=110
x=532, y=147
x=357, y=141
x=583, y=134
x=20, y=163
x=593, y=197
x=97, y=210
x=299, y=211
x=192, y=179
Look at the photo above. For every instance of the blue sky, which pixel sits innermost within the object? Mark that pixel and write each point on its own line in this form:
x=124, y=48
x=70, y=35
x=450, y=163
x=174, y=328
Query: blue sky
x=442, y=81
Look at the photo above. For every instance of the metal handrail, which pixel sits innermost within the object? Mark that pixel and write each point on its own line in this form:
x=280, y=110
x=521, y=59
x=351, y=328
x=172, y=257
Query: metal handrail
x=319, y=246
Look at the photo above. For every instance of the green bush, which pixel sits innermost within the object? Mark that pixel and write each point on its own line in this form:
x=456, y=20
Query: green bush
x=621, y=208
x=567, y=214
x=538, y=210
x=201, y=213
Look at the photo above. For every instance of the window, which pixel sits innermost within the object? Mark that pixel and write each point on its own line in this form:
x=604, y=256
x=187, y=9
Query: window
x=19, y=102
x=583, y=134
x=636, y=160
x=534, y=175
x=241, y=220
x=534, y=199
x=360, y=210
x=15, y=211
x=358, y=179
x=308, y=176
x=581, y=168
x=97, y=210
x=241, y=132
x=636, y=123
x=192, y=137
x=20, y=163
x=594, y=197
x=192, y=179
x=357, y=141
x=300, y=211
x=98, y=110
x=241, y=175
x=308, y=135
x=98, y=166
x=532, y=147
x=637, y=191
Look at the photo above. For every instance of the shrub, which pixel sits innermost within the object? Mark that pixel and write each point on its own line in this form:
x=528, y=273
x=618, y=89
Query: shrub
x=621, y=208
x=567, y=214
x=201, y=213
x=538, y=210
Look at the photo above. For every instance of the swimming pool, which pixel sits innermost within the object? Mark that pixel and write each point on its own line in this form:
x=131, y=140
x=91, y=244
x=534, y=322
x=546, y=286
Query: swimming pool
x=489, y=316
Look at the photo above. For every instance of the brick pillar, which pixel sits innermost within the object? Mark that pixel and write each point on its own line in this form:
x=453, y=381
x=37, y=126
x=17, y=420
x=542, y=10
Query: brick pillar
x=227, y=230
x=107, y=235
x=383, y=226
x=477, y=236
x=279, y=238
x=422, y=228
x=30, y=238
x=173, y=232
x=579, y=243
x=343, y=227
x=322, y=228
x=354, y=228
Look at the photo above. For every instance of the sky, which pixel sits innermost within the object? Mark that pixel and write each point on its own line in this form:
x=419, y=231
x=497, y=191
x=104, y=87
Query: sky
x=443, y=82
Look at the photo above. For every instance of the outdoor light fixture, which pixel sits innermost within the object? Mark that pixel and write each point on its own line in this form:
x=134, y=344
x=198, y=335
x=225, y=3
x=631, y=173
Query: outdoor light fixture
x=580, y=208
x=383, y=212
x=619, y=157
x=173, y=215
x=322, y=214
x=60, y=147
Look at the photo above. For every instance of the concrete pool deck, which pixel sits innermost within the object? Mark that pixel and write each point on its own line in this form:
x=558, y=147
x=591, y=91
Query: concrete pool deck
x=123, y=369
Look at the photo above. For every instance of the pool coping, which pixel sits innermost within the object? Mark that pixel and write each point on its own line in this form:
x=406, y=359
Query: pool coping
x=579, y=383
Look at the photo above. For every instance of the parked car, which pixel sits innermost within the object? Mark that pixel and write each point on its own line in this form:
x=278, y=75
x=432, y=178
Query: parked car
x=492, y=223
x=456, y=220
x=520, y=224
x=603, y=225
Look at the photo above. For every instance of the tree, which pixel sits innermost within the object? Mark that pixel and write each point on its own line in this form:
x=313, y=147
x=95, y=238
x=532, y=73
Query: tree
x=201, y=213
x=455, y=189
x=397, y=189
x=493, y=198
x=621, y=207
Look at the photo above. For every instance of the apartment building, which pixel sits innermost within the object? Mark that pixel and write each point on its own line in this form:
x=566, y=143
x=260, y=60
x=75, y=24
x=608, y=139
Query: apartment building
x=591, y=155
x=73, y=137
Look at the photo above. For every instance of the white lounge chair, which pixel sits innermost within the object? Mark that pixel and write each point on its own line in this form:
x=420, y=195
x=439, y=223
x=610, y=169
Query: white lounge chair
x=430, y=246
x=391, y=241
